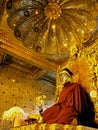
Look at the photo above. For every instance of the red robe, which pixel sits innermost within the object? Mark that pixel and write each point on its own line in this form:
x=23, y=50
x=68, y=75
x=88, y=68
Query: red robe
x=72, y=101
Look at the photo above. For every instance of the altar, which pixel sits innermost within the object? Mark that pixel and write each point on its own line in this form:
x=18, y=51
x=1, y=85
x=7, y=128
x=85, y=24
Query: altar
x=45, y=126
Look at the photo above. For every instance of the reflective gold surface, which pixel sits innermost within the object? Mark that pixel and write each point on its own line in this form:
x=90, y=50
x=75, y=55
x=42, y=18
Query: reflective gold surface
x=52, y=26
x=53, y=127
x=52, y=10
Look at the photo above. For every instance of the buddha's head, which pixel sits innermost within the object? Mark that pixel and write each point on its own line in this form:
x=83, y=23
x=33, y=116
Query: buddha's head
x=65, y=76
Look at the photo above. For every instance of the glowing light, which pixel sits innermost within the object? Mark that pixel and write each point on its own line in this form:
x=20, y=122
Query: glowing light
x=93, y=94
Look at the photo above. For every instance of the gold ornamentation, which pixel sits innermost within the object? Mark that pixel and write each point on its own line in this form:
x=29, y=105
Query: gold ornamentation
x=54, y=26
x=52, y=10
x=84, y=63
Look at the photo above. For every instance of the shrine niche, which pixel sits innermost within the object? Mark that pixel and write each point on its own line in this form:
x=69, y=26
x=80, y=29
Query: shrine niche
x=84, y=65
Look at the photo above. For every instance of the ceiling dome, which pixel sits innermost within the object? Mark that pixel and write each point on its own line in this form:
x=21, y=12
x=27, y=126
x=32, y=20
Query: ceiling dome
x=51, y=26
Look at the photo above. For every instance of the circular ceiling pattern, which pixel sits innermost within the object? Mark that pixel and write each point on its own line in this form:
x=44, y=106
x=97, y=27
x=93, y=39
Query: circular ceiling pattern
x=51, y=26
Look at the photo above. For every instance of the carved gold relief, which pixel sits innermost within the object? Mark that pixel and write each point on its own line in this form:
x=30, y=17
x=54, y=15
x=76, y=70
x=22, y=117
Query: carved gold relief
x=51, y=26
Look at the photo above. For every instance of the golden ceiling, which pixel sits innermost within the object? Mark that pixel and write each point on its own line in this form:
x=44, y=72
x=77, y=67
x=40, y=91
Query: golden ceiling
x=45, y=34
x=51, y=26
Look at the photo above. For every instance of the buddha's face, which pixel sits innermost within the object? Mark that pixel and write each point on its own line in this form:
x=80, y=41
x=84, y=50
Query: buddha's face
x=64, y=77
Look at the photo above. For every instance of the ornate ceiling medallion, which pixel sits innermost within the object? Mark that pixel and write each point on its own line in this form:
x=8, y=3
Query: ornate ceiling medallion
x=51, y=26
x=52, y=10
